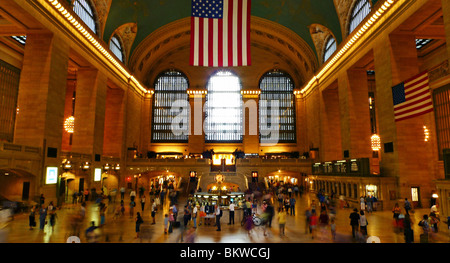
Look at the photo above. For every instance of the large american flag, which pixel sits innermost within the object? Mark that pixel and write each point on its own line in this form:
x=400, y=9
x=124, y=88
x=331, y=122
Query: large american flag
x=220, y=33
x=412, y=98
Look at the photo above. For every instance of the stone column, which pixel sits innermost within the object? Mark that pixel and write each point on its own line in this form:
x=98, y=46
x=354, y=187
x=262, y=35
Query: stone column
x=147, y=115
x=396, y=61
x=355, y=115
x=250, y=113
x=42, y=92
x=89, y=115
x=330, y=127
x=113, y=139
x=301, y=123
x=197, y=99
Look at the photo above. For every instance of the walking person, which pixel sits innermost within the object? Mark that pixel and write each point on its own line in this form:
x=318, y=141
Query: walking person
x=218, y=216
x=354, y=221
x=407, y=229
x=153, y=212
x=166, y=223
x=132, y=205
x=396, y=210
x=333, y=229
x=425, y=228
x=313, y=224
x=307, y=217
x=102, y=214
x=139, y=221
x=53, y=217
x=292, y=202
x=41, y=200
x=282, y=221
x=362, y=203
x=86, y=195
x=407, y=206
x=231, y=212
x=195, y=214
x=363, y=223
x=323, y=223
x=142, y=203
x=122, y=193
x=186, y=216
x=32, y=217
x=42, y=217
x=248, y=223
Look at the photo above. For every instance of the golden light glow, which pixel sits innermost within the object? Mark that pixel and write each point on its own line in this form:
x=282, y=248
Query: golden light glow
x=69, y=124
x=426, y=132
x=96, y=45
x=371, y=21
x=376, y=142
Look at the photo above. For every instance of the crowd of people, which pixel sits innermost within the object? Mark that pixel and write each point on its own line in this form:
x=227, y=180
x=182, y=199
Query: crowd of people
x=258, y=211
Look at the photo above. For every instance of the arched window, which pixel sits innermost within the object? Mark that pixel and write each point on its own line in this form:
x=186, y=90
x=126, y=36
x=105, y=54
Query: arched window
x=223, y=121
x=360, y=11
x=330, y=48
x=115, y=45
x=84, y=10
x=277, y=125
x=171, y=108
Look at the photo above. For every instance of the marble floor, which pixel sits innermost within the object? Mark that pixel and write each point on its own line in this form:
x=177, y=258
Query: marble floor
x=122, y=229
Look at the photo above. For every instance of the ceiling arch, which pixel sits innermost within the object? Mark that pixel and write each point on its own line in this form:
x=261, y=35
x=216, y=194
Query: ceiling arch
x=272, y=46
x=150, y=15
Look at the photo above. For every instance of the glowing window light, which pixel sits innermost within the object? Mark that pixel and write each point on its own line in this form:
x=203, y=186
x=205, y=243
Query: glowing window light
x=69, y=124
x=376, y=142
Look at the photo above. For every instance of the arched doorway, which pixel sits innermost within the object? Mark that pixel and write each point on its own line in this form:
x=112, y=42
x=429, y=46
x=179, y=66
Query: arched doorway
x=18, y=186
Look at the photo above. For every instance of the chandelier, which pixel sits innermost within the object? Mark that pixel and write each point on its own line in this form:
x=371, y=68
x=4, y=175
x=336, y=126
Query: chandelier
x=69, y=124
x=376, y=142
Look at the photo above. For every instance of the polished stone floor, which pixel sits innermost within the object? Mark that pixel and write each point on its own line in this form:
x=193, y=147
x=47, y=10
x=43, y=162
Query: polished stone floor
x=122, y=229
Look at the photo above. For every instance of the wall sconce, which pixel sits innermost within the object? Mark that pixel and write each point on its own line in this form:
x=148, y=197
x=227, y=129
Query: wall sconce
x=67, y=165
x=117, y=167
x=106, y=167
x=85, y=166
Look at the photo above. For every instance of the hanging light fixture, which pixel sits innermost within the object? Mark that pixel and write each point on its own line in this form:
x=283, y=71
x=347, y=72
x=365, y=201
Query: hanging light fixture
x=69, y=124
x=376, y=142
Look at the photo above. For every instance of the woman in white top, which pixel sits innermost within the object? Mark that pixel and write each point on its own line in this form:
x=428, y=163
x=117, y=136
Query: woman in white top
x=363, y=223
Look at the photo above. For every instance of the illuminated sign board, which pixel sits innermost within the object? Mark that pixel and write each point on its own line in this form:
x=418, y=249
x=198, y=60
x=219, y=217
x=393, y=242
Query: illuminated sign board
x=97, y=174
x=52, y=175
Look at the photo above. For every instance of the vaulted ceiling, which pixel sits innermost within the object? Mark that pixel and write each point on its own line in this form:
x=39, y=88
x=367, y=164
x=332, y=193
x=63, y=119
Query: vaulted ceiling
x=150, y=15
x=157, y=32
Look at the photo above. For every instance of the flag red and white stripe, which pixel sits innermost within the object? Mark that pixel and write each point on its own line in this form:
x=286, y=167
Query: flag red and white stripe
x=417, y=100
x=222, y=42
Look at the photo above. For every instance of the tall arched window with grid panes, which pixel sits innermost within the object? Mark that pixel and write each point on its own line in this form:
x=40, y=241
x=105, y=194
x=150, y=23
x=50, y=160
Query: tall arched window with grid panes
x=330, y=48
x=171, y=108
x=115, y=45
x=84, y=9
x=223, y=121
x=359, y=12
x=277, y=108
